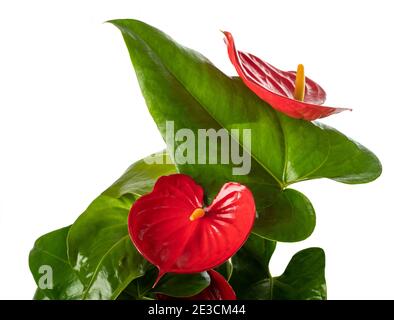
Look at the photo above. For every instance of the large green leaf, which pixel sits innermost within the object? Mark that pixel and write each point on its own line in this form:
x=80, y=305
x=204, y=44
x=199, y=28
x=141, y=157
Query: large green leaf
x=99, y=246
x=103, y=257
x=251, y=269
x=181, y=85
x=303, y=278
x=100, y=249
x=50, y=251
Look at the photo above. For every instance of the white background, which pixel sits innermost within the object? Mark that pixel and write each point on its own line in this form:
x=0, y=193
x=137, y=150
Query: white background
x=72, y=117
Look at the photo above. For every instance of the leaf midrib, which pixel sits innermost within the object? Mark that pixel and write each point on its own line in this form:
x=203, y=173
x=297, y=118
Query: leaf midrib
x=53, y=256
x=86, y=291
x=280, y=183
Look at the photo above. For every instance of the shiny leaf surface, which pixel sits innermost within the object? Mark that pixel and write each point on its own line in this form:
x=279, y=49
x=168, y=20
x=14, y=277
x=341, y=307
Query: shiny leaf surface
x=182, y=285
x=181, y=85
x=99, y=246
x=251, y=269
x=226, y=269
x=50, y=268
x=303, y=278
x=171, y=284
x=219, y=289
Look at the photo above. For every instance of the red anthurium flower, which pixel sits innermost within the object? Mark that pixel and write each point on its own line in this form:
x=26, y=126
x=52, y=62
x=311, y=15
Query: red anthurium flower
x=218, y=289
x=286, y=91
x=173, y=229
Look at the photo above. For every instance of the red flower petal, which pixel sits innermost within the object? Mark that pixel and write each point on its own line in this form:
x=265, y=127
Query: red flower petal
x=218, y=289
x=276, y=87
x=160, y=225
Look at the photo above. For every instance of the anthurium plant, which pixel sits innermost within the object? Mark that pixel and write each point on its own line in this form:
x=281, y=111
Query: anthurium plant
x=201, y=219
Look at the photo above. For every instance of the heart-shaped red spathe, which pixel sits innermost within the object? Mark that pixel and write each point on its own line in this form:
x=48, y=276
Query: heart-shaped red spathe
x=276, y=87
x=162, y=229
x=218, y=289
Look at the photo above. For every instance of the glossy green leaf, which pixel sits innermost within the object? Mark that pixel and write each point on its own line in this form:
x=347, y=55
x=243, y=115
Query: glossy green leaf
x=140, y=177
x=251, y=278
x=183, y=285
x=171, y=284
x=99, y=246
x=226, y=269
x=181, y=85
x=49, y=265
x=290, y=218
x=303, y=278
x=140, y=288
x=100, y=249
